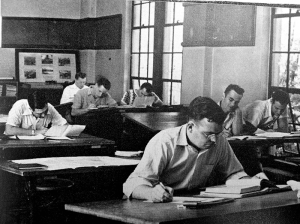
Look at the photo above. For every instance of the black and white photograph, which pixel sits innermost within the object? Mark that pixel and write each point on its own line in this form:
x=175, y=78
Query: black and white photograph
x=147, y=112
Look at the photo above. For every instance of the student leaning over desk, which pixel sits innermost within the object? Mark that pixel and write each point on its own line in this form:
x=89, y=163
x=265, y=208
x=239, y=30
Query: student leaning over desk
x=71, y=90
x=233, y=123
x=268, y=115
x=93, y=97
x=145, y=94
x=184, y=158
x=32, y=116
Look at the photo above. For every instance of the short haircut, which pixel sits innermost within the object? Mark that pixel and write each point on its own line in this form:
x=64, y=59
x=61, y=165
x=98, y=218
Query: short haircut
x=147, y=86
x=280, y=96
x=37, y=100
x=234, y=87
x=103, y=81
x=80, y=75
x=204, y=107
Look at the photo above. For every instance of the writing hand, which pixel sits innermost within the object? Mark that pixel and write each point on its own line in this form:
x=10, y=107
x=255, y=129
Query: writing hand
x=42, y=131
x=161, y=194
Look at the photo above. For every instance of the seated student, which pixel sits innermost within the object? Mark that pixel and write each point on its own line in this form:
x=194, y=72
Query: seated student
x=141, y=97
x=184, y=157
x=268, y=115
x=92, y=97
x=71, y=90
x=233, y=123
x=32, y=116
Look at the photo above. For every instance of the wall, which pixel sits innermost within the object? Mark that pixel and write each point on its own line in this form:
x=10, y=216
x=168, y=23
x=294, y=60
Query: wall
x=33, y=8
x=110, y=63
x=113, y=64
x=212, y=69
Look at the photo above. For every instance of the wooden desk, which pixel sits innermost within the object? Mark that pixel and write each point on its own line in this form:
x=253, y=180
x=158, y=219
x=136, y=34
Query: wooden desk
x=82, y=145
x=155, y=122
x=91, y=183
x=273, y=208
x=108, y=122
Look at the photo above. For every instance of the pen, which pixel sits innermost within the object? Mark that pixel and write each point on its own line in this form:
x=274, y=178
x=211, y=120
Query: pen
x=163, y=186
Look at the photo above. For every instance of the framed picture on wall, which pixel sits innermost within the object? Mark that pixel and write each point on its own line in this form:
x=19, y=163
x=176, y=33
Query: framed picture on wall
x=44, y=65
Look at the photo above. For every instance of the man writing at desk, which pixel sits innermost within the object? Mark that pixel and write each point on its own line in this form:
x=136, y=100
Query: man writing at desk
x=32, y=116
x=93, y=97
x=184, y=158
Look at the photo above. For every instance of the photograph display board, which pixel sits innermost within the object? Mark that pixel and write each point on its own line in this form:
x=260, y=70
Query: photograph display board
x=46, y=66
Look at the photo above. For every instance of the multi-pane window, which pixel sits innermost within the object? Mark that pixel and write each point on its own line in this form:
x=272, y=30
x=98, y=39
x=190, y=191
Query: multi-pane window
x=285, y=55
x=156, y=54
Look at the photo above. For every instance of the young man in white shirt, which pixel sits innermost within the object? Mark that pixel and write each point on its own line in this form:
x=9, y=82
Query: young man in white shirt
x=32, y=116
x=71, y=90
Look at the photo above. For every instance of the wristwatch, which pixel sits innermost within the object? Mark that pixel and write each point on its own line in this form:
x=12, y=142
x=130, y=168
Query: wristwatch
x=33, y=132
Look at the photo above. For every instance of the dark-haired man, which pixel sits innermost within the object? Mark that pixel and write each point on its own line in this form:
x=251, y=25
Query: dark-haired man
x=93, y=97
x=71, y=90
x=268, y=115
x=184, y=158
x=32, y=116
x=233, y=123
x=141, y=97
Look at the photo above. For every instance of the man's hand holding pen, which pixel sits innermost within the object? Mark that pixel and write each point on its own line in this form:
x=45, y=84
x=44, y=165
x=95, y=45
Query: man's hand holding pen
x=161, y=193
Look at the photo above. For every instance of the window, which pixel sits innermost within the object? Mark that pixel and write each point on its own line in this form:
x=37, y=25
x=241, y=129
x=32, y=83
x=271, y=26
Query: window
x=156, y=52
x=285, y=55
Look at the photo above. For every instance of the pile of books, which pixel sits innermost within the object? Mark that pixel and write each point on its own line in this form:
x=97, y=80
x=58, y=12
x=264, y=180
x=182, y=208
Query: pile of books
x=240, y=189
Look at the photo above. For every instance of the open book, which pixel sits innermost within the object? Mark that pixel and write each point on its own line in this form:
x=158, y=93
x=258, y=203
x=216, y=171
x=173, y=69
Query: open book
x=65, y=130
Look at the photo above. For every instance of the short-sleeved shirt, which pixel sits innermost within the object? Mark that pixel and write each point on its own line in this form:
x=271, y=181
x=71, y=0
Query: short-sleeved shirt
x=168, y=158
x=21, y=116
x=259, y=114
x=69, y=92
x=130, y=95
x=83, y=98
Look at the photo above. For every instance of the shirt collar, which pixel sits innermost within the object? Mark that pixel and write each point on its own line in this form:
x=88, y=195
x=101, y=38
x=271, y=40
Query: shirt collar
x=182, y=139
x=269, y=108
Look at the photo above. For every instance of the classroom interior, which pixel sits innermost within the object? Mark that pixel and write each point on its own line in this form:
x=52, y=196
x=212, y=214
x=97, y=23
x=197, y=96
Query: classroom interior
x=207, y=66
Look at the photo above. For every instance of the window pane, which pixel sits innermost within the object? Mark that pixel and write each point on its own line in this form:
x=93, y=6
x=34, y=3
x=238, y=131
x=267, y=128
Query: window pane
x=167, y=63
x=166, y=93
x=135, y=65
x=144, y=40
x=136, y=16
x=151, y=39
x=179, y=12
x=150, y=66
x=169, y=12
x=136, y=84
x=294, y=78
x=177, y=66
x=178, y=34
x=282, y=11
x=295, y=34
x=295, y=10
x=145, y=14
x=144, y=65
x=168, y=41
x=176, y=90
x=152, y=13
x=279, y=63
x=135, y=41
x=280, y=38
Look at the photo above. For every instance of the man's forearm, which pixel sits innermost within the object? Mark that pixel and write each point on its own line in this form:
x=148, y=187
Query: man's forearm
x=11, y=130
x=142, y=192
x=77, y=112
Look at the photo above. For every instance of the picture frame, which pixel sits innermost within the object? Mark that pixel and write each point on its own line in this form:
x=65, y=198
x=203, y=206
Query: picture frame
x=46, y=65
